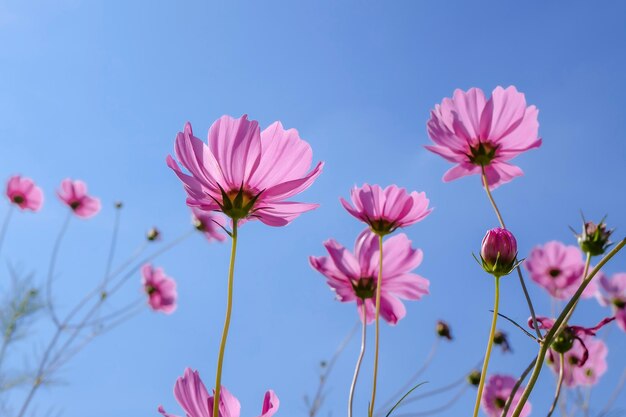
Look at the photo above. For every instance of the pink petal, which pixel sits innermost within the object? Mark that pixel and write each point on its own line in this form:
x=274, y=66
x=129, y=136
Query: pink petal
x=283, y=212
x=270, y=404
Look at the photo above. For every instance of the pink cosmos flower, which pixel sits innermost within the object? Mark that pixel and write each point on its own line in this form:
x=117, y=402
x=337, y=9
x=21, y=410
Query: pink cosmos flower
x=160, y=288
x=386, y=210
x=194, y=398
x=584, y=356
x=246, y=173
x=74, y=194
x=614, y=294
x=585, y=362
x=474, y=132
x=558, y=269
x=23, y=192
x=353, y=276
x=497, y=391
x=209, y=224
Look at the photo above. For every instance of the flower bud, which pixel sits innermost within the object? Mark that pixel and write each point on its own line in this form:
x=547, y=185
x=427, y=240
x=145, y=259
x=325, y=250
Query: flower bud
x=564, y=341
x=153, y=234
x=474, y=377
x=501, y=339
x=499, y=252
x=443, y=330
x=594, y=239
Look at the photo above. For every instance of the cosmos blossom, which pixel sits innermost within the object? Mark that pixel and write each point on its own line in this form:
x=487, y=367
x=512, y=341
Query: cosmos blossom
x=74, y=194
x=160, y=289
x=210, y=224
x=244, y=172
x=497, y=392
x=475, y=133
x=194, y=399
x=558, y=268
x=613, y=293
x=353, y=275
x=584, y=356
x=23, y=192
x=385, y=210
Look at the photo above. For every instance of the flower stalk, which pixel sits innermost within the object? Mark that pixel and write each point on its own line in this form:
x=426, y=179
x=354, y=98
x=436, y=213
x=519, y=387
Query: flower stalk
x=359, y=360
x=377, y=323
x=229, y=307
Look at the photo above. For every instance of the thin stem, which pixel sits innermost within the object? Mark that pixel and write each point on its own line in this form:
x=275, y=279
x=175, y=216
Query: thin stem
x=559, y=384
x=556, y=328
x=360, y=358
x=417, y=374
x=5, y=226
x=614, y=395
x=585, y=272
x=519, y=270
x=319, y=395
x=377, y=338
x=483, y=373
x=439, y=409
x=521, y=379
x=53, y=260
x=109, y=264
x=229, y=307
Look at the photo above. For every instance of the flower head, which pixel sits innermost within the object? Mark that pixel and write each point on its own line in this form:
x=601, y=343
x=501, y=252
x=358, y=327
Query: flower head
x=160, y=289
x=23, y=192
x=558, y=269
x=74, y=194
x=353, y=276
x=584, y=356
x=385, y=210
x=613, y=293
x=497, y=392
x=193, y=397
x=443, y=330
x=246, y=173
x=594, y=238
x=210, y=224
x=476, y=133
x=498, y=252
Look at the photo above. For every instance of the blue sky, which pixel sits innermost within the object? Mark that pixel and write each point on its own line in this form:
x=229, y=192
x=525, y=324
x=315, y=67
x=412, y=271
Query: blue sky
x=97, y=90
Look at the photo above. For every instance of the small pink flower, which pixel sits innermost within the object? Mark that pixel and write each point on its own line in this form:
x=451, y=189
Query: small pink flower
x=470, y=131
x=386, y=210
x=585, y=362
x=558, y=269
x=193, y=397
x=23, y=192
x=497, y=391
x=209, y=224
x=353, y=276
x=160, y=288
x=74, y=194
x=246, y=173
x=614, y=294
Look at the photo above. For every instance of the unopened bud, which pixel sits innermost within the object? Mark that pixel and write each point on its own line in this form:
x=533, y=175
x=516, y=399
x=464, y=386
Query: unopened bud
x=501, y=339
x=474, y=377
x=594, y=238
x=153, y=234
x=443, y=330
x=498, y=252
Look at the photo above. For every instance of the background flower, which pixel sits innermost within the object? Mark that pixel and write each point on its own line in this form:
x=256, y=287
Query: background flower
x=497, y=391
x=160, y=288
x=613, y=293
x=352, y=276
x=23, y=192
x=74, y=194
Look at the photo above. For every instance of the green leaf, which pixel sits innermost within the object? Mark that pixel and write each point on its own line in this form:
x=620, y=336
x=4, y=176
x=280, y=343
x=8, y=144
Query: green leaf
x=404, y=396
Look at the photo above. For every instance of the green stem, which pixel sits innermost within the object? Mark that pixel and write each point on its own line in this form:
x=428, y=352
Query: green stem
x=5, y=225
x=229, y=307
x=585, y=272
x=505, y=410
x=519, y=270
x=483, y=374
x=556, y=328
x=376, y=342
x=359, y=360
x=559, y=384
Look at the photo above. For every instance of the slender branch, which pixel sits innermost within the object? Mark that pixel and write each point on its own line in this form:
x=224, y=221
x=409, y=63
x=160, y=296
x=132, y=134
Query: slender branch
x=510, y=320
x=584, y=277
x=413, y=378
x=556, y=328
x=519, y=270
x=519, y=382
x=559, y=384
x=5, y=225
x=377, y=324
x=439, y=409
x=229, y=307
x=53, y=260
x=357, y=368
x=319, y=394
x=483, y=373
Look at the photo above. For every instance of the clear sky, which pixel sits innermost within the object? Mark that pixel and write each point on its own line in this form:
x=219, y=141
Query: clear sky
x=98, y=89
